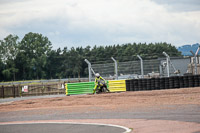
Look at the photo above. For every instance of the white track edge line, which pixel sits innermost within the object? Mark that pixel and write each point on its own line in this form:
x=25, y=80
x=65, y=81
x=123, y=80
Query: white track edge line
x=100, y=124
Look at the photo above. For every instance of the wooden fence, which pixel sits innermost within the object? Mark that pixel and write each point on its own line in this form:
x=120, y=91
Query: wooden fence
x=37, y=89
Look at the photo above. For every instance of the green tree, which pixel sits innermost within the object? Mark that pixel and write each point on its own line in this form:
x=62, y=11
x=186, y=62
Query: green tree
x=35, y=48
x=33, y=57
x=9, y=50
x=54, y=64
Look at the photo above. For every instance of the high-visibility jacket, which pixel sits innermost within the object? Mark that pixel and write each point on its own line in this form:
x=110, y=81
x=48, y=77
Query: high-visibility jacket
x=97, y=80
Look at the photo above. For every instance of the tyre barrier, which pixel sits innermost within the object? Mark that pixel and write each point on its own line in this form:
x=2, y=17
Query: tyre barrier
x=139, y=85
x=176, y=82
x=166, y=83
x=162, y=83
x=144, y=84
x=128, y=85
x=199, y=79
x=148, y=84
x=136, y=84
x=152, y=83
x=181, y=82
x=196, y=80
x=132, y=85
x=191, y=81
x=171, y=82
x=185, y=81
x=157, y=84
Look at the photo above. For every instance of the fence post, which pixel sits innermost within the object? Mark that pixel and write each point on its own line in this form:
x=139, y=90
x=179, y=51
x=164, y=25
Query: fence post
x=141, y=64
x=14, y=91
x=42, y=88
x=89, y=69
x=116, y=71
x=3, y=91
x=167, y=58
x=18, y=91
x=161, y=72
x=195, y=60
x=196, y=54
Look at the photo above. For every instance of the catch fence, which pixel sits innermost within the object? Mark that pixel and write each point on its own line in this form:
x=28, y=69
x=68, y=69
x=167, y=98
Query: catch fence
x=130, y=69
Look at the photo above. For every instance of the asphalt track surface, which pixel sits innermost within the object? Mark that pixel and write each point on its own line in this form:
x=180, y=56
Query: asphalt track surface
x=60, y=128
x=185, y=113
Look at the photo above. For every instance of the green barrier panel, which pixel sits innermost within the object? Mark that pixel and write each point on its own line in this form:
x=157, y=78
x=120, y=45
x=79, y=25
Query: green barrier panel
x=79, y=88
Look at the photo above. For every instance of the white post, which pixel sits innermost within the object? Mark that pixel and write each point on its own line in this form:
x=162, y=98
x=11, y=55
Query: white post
x=116, y=71
x=167, y=58
x=196, y=59
x=193, y=62
x=161, y=72
x=141, y=65
x=89, y=69
x=168, y=69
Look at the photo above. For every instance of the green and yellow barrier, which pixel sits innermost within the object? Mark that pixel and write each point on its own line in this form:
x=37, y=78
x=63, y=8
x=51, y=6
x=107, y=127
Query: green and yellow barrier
x=87, y=87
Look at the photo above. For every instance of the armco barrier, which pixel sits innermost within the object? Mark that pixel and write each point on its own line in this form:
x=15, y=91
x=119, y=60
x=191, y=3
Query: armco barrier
x=87, y=87
x=117, y=85
x=79, y=88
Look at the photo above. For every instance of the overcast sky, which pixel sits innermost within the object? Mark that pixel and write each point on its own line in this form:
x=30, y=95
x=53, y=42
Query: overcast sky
x=74, y=23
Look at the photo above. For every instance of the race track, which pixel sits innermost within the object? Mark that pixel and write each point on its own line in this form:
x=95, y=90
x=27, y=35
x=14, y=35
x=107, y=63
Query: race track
x=147, y=111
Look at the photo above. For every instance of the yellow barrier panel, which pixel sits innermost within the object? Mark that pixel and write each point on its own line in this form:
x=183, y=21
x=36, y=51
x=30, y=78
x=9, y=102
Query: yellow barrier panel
x=66, y=89
x=116, y=85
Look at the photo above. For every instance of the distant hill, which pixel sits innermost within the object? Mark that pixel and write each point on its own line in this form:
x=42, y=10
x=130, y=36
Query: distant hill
x=185, y=49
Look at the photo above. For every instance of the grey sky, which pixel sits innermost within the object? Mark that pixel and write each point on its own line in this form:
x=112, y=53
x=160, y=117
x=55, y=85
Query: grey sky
x=180, y=5
x=103, y=22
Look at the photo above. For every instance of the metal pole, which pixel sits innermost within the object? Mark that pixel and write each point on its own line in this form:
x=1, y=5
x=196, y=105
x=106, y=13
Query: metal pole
x=89, y=69
x=92, y=70
x=161, y=72
x=116, y=71
x=196, y=60
x=141, y=64
x=195, y=65
x=167, y=58
x=193, y=61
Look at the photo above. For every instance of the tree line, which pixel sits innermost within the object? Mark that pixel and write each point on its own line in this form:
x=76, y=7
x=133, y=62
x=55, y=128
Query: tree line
x=34, y=57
